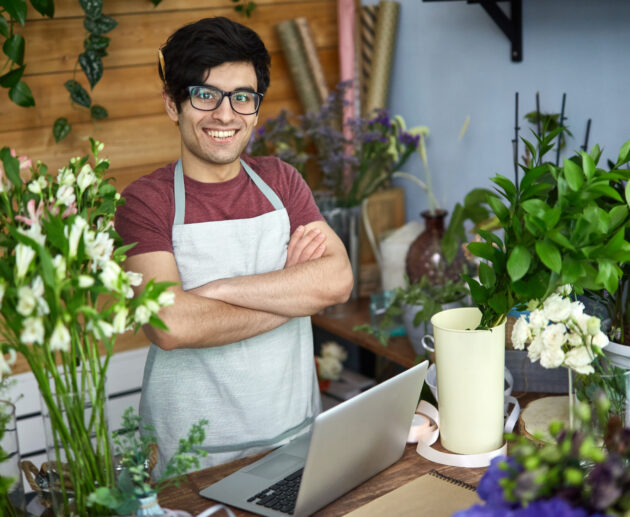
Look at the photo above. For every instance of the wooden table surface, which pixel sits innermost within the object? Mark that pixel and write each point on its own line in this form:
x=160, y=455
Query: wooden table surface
x=341, y=323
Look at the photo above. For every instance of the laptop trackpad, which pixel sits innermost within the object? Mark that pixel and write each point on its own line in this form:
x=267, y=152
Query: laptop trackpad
x=274, y=467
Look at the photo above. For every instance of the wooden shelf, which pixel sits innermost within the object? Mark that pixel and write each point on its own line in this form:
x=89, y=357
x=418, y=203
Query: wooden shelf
x=341, y=321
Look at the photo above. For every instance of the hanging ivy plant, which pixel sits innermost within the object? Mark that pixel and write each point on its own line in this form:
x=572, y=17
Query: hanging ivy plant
x=245, y=7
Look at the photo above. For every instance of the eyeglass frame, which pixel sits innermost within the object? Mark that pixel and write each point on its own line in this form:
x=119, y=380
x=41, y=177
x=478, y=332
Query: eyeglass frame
x=223, y=95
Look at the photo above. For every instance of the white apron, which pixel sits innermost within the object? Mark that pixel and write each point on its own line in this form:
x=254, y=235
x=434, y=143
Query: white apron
x=257, y=393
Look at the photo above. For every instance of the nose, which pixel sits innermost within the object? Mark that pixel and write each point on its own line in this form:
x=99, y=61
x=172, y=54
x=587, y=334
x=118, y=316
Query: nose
x=224, y=112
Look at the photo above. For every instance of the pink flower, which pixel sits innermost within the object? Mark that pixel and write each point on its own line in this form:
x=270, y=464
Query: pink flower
x=35, y=214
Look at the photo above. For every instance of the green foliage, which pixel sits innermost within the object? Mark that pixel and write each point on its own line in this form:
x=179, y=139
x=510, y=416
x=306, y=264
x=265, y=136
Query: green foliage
x=134, y=449
x=245, y=7
x=562, y=225
x=429, y=297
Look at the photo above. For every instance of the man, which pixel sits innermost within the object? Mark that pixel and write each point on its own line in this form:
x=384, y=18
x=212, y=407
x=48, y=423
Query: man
x=248, y=249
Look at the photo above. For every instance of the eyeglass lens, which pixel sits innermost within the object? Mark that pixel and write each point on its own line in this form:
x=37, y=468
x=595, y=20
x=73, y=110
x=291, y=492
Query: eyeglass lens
x=207, y=98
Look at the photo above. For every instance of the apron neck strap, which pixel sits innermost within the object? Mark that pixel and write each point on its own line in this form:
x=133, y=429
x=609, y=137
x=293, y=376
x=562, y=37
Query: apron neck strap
x=180, y=191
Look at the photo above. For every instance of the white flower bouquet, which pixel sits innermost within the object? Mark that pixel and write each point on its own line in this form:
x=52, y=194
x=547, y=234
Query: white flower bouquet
x=63, y=299
x=560, y=333
x=330, y=362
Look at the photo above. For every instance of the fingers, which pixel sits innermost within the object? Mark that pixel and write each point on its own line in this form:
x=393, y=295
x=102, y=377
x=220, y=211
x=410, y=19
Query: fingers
x=305, y=245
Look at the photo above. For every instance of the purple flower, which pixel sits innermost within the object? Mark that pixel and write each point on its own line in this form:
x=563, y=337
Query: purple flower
x=554, y=507
x=489, y=488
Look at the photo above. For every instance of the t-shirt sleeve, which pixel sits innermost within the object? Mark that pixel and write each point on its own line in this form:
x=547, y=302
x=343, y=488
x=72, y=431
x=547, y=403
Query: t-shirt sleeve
x=145, y=218
x=299, y=202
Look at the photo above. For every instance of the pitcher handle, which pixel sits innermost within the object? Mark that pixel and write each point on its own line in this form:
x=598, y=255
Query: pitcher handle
x=427, y=346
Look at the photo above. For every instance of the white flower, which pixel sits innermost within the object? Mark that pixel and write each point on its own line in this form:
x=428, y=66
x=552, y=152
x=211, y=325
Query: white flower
x=101, y=329
x=142, y=315
x=110, y=276
x=76, y=232
x=557, y=308
x=32, y=331
x=329, y=367
x=166, y=298
x=120, y=321
x=551, y=357
x=23, y=257
x=554, y=335
x=564, y=290
x=535, y=348
x=38, y=185
x=332, y=349
x=592, y=325
x=34, y=231
x=86, y=177
x=537, y=321
x=520, y=333
x=135, y=279
x=575, y=339
x=65, y=177
x=5, y=364
x=98, y=147
x=577, y=309
x=600, y=339
x=65, y=195
x=26, y=301
x=85, y=281
x=38, y=291
x=59, y=263
x=99, y=248
x=579, y=359
x=60, y=338
x=153, y=306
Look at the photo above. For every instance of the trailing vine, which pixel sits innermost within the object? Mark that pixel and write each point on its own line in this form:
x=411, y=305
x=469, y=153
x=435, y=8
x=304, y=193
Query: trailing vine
x=95, y=44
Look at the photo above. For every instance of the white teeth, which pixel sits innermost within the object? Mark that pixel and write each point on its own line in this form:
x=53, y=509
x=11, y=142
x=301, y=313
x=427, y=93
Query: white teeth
x=221, y=134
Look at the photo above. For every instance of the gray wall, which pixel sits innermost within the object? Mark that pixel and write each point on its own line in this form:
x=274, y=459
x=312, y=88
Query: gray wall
x=453, y=61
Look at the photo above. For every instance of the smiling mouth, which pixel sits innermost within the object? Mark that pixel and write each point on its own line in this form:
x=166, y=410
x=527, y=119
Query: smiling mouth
x=221, y=135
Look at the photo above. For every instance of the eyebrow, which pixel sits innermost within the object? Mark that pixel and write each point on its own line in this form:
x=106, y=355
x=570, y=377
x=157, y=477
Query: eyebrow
x=237, y=89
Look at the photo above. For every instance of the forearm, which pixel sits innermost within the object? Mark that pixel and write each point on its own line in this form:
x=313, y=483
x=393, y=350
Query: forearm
x=300, y=290
x=198, y=322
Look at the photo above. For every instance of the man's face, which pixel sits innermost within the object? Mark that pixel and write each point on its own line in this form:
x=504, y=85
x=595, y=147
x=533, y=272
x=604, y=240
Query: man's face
x=217, y=137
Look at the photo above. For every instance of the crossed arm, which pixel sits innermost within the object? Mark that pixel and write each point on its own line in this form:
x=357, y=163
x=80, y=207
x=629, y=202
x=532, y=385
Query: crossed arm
x=317, y=273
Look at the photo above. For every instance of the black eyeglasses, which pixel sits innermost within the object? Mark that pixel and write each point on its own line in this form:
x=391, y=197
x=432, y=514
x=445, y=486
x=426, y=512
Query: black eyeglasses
x=209, y=98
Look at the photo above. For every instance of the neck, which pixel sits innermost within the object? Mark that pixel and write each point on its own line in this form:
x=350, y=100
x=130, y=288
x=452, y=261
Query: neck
x=206, y=172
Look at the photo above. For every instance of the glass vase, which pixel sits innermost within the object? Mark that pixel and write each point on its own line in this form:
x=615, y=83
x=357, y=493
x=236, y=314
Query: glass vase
x=425, y=256
x=12, y=502
x=77, y=444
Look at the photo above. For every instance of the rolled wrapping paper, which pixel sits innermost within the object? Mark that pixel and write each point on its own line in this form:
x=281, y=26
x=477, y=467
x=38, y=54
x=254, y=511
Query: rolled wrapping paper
x=383, y=57
x=314, y=65
x=297, y=60
x=369, y=14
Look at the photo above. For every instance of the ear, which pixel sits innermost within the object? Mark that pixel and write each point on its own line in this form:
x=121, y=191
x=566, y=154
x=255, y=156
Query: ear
x=171, y=107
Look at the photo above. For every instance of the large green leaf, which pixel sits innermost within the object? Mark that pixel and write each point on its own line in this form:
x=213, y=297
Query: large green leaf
x=477, y=291
x=614, y=244
x=78, y=94
x=588, y=165
x=11, y=166
x=14, y=48
x=99, y=26
x=571, y=270
x=92, y=65
x=605, y=190
x=532, y=175
x=61, y=129
x=618, y=215
x=95, y=42
x=508, y=187
x=44, y=7
x=499, y=209
x=491, y=237
x=486, y=275
x=98, y=112
x=549, y=255
x=92, y=8
x=498, y=302
x=518, y=262
x=628, y=193
x=559, y=238
x=11, y=78
x=596, y=152
x=552, y=217
x=536, y=207
x=21, y=94
x=4, y=27
x=483, y=250
x=16, y=9
x=539, y=189
x=607, y=275
x=624, y=154
x=573, y=174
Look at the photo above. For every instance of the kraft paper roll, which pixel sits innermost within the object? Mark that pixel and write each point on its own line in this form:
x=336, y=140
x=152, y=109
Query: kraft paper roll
x=297, y=60
x=369, y=14
x=314, y=65
x=384, y=47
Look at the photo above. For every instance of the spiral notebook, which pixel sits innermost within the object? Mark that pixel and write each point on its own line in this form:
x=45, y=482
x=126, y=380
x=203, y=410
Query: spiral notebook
x=433, y=494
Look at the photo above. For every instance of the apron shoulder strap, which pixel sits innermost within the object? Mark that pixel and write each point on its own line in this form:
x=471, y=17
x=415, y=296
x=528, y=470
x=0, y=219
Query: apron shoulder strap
x=180, y=194
x=264, y=188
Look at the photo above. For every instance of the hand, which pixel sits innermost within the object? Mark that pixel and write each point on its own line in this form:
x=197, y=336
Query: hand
x=305, y=246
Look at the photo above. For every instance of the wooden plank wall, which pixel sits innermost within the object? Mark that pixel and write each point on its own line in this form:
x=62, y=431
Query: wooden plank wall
x=138, y=136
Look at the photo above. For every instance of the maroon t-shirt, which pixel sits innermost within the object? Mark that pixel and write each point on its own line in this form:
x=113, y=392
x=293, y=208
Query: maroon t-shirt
x=147, y=215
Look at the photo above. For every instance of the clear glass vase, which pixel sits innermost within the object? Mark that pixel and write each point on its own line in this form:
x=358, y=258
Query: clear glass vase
x=77, y=444
x=12, y=502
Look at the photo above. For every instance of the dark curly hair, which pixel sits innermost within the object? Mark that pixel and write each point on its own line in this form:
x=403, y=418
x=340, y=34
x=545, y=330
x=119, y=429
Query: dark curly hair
x=195, y=48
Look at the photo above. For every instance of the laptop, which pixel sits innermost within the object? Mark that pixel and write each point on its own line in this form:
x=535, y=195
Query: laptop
x=347, y=445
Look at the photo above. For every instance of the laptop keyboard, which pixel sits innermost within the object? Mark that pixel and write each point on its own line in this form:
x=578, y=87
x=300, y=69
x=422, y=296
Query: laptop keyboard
x=280, y=496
